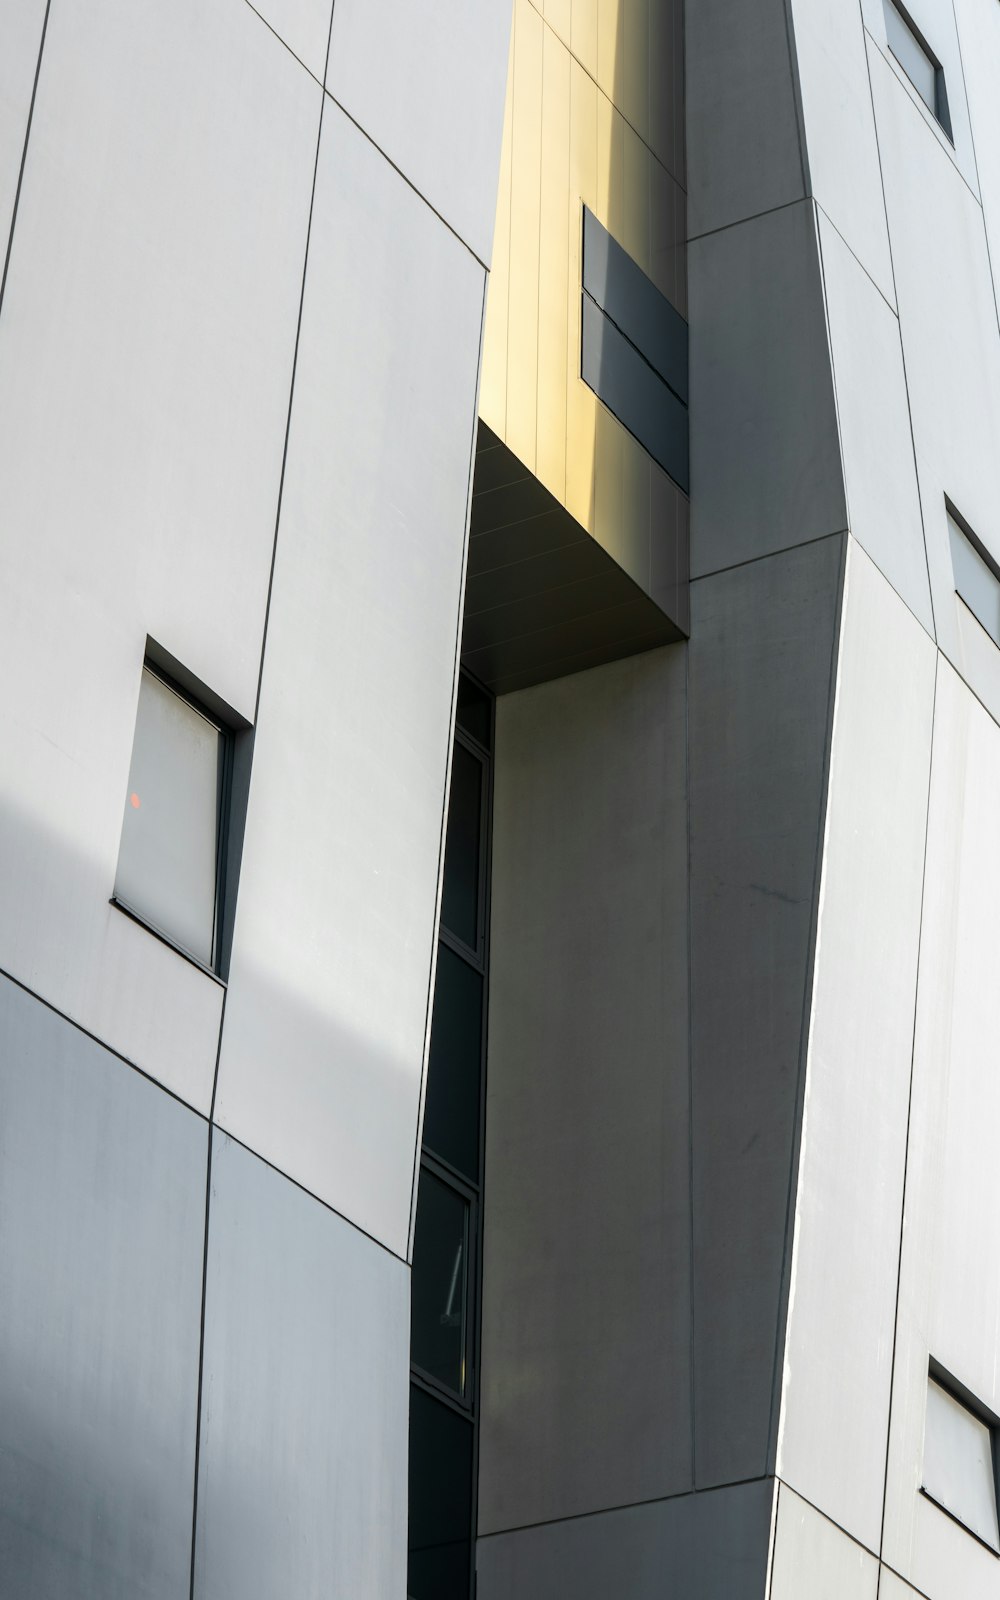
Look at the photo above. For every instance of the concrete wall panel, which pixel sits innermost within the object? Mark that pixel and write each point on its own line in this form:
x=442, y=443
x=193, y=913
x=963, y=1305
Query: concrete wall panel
x=302, y=25
x=302, y=1478
x=765, y=463
x=425, y=79
x=814, y=1558
x=20, y=42
x=761, y=667
x=102, y=1226
x=334, y=936
x=837, y=1368
x=712, y=1545
x=586, y=1271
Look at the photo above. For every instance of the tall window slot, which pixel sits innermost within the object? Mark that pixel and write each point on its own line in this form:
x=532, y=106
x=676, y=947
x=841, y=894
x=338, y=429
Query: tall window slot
x=918, y=62
x=445, y=1297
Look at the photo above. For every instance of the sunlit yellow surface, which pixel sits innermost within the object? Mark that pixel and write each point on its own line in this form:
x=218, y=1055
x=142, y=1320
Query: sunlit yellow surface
x=590, y=119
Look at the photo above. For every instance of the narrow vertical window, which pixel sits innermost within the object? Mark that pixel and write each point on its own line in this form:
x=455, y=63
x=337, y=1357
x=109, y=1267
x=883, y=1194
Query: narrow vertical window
x=170, y=856
x=445, y=1286
x=921, y=67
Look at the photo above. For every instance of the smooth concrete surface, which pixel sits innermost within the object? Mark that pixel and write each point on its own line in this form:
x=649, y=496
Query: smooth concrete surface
x=425, y=79
x=20, y=43
x=837, y=1368
x=709, y=1546
x=766, y=470
x=335, y=927
x=832, y=71
x=586, y=1309
x=302, y=25
x=814, y=1558
x=876, y=442
x=744, y=153
x=760, y=697
x=102, y=1226
x=145, y=356
x=951, y=348
x=302, y=1468
x=949, y=1291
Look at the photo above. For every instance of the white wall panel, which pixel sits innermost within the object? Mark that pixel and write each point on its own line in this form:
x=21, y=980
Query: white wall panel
x=949, y=1304
x=879, y=467
x=305, y=1401
x=814, y=1559
x=145, y=358
x=426, y=80
x=936, y=23
x=950, y=342
x=837, y=1368
x=334, y=935
x=840, y=130
x=979, y=35
x=303, y=25
x=21, y=23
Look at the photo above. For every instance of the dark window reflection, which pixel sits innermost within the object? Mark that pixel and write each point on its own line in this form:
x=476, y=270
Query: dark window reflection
x=460, y=897
x=451, y=1118
x=473, y=711
x=438, y=1286
x=440, y=1500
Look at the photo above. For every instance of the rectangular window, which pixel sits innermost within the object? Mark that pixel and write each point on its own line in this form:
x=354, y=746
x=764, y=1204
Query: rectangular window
x=170, y=857
x=921, y=67
x=976, y=580
x=960, y=1462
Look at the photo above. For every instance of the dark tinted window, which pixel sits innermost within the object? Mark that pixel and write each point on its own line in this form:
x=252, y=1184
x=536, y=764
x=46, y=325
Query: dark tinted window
x=460, y=898
x=451, y=1117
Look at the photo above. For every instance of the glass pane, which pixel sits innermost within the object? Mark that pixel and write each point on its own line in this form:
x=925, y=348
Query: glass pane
x=460, y=896
x=975, y=581
x=958, y=1463
x=451, y=1117
x=473, y=713
x=438, y=1283
x=168, y=853
x=440, y=1501
x=911, y=55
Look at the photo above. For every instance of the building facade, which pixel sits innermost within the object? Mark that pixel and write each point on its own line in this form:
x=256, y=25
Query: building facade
x=500, y=630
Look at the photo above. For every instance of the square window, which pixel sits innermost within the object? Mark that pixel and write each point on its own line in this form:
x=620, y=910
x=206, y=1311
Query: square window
x=959, y=1462
x=171, y=843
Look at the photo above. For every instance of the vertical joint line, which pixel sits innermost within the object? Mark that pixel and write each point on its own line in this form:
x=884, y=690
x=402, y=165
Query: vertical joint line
x=24, y=154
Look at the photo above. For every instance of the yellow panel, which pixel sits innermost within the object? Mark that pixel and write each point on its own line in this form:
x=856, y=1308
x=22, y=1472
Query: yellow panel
x=611, y=168
x=610, y=48
x=636, y=234
x=559, y=15
x=608, y=469
x=526, y=171
x=553, y=278
x=493, y=380
x=635, y=103
x=666, y=225
x=584, y=35
x=581, y=402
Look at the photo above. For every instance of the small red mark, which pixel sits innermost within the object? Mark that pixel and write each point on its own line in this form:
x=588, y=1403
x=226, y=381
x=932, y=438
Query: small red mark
x=134, y=802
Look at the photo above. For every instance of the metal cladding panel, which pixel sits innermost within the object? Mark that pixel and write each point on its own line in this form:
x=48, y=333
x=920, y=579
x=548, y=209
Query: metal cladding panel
x=892, y=1587
x=832, y=70
x=302, y=25
x=949, y=1292
x=883, y=502
x=145, y=355
x=586, y=1246
x=305, y=1400
x=743, y=136
x=20, y=40
x=425, y=79
x=979, y=32
x=761, y=664
x=712, y=1545
x=334, y=936
x=102, y=1226
x=765, y=455
x=814, y=1559
x=950, y=344
x=936, y=24
x=837, y=1369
